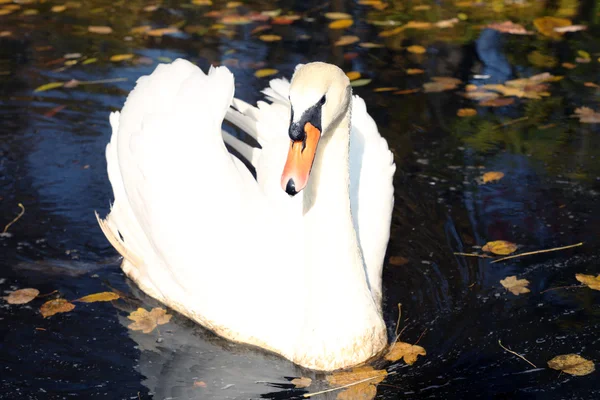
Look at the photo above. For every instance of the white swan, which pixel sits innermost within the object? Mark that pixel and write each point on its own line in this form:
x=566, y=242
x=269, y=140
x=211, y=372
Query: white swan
x=297, y=275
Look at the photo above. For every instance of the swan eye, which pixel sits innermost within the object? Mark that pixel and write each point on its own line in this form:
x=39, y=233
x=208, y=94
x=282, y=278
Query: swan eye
x=322, y=101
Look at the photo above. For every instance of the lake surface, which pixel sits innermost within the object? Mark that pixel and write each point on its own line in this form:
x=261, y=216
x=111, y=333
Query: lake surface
x=52, y=162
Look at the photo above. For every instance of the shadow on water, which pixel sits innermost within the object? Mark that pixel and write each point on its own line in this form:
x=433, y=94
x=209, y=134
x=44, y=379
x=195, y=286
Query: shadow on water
x=52, y=161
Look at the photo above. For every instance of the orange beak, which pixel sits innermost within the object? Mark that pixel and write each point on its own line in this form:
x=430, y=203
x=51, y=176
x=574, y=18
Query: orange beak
x=300, y=160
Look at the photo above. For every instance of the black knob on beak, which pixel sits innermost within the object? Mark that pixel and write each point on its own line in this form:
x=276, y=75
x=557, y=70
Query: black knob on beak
x=290, y=188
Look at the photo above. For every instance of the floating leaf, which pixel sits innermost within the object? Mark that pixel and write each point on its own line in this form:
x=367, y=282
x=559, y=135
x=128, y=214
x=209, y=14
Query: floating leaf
x=509, y=27
x=398, y=260
x=499, y=102
x=441, y=84
x=500, y=247
x=407, y=91
x=58, y=9
x=466, y=112
x=414, y=71
x=202, y=2
x=492, y=176
x=201, y=384
x=284, y=20
x=103, y=296
x=346, y=40
x=49, y=86
x=391, y=32
x=514, y=285
x=355, y=375
x=586, y=115
x=341, y=24
x=572, y=364
x=337, y=15
x=121, y=57
x=369, y=45
x=236, y=20
x=301, y=382
x=102, y=30
x=270, y=38
x=546, y=25
x=416, y=49
x=146, y=321
x=418, y=25
x=162, y=31
x=385, y=89
x=261, y=73
x=89, y=61
x=408, y=351
x=353, y=75
x=593, y=282
x=570, y=28
x=55, y=306
x=360, y=82
x=446, y=23
x=22, y=296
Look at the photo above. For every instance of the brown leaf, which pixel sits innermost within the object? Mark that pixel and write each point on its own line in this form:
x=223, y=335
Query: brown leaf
x=102, y=30
x=514, y=285
x=546, y=25
x=466, y=112
x=355, y=375
x=417, y=25
x=337, y=15
x=398, y=260
x=301, y=382
x=480, y=95
x=509, y=27
x=55, y=306
x=200, y=384
x=385, y=89
x=22, y=296
x=161, y=32
x=346, y=40
x=492, y=176
x=270, y=38
x=572, y=364
x=500, y=247
x=369, y=45
x=407, y=91
x=568, y=65
x=103, y=296
x=408, y=351
x=146, y=321
x=593, y=282
x=362, y=391
x=414, y=71
x=586, y=115
x=499, y=102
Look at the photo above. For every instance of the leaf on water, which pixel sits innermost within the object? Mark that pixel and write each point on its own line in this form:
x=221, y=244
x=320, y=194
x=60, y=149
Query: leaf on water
x=416, y=49
x=479, y=95
x=391, y=32
x=369, y=45
x=22, y=296
x=446, y=23
x=121, y=57
x=441, y=84
x=233, y=4
x=570, y=28
x=398, y=260
x=55, y=306
x=140, y=29
x=337, y=15
x=546, y=25
x=270, y=38
x=49, y=86
x=261, y=73
x=498, y=102
x=146, y=321
x=414, y=71
x=89, y=61
x=466, y=112
x=284, y=20
x=346, y=40
x=407, y=91
x=201, y=384
x=586, y=115
x=58, y=9
x=591, y=84
x=500, y=247
x=385, y=89
x=353, y=75
x=103, y=296
x=341, y=24
x=72, y=84
x=492, y=176
x=356, y=374
x=417, y=25
x=102, y=30
x=202, y=2
x=360, y=82
x=362, y=391
x=572, y=364
x=236, y=20
x=258, y=29
x=162, y=31
x=514, y=285
x=593, y=282
x=408, y=351
x=509, y=27
x=301, y=382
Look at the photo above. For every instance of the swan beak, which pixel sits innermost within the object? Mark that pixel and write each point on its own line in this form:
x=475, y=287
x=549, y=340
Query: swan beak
x=300, y=160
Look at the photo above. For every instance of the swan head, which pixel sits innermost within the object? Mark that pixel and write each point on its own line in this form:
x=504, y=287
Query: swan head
x=320, y=95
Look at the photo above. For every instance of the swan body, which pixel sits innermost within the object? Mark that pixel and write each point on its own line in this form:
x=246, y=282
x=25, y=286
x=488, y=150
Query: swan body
x=297, y=275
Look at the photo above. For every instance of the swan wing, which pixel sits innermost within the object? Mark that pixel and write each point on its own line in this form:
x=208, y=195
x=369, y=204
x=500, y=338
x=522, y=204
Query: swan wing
x=371, y=191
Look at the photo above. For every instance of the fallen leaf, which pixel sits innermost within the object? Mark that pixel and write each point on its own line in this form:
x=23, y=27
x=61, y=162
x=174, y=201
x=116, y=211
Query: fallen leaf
x=270, y=38
x=161, y=31
x=261, y=73
x=500, y=247
x=369, y=45
x=480, y=95
x=103, y=296
x=466, y=112
x=446, y=23
x=355, y=375
x=572, y=364
x=346, y=40
x=141, y=29
x=593, y=282
x=55, y=306
x=360, y=82
x=353, y=75
x=361, y=391
x=341, y=24
x=570, y=28
x=199, y=384
x=497, y=102
x=236, y=20
x=422, y=7
x=441, y=84
x=58, y=9
x=514, y=285
x=285, y=20
x=102, y=30
x=89, y=61
x=121, y=57
x=49, y=86
x=407, y=91
x=301, y=382
x=385, y=89
x=414, y=71
x=53, y=111
x=492, y=176
x=391, y=32
x=22, y=296
x=233, y=4
x=509, y=27
x=258, y=29
x=146, y=321
x=546, y=25
x=202, y=2
x=398, y=260
x=337, y=15
x=591, y=84
x=416, y=49
x=408, y=351
x=417, y=25
x=586, y=115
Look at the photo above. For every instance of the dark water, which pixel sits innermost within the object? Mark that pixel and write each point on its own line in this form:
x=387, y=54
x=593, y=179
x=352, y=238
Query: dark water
x=52, y=161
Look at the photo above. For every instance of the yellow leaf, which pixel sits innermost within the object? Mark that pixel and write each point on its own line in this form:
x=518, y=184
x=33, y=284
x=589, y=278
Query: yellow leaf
x=341, y=24
x=261, y=73
x=391, y=32
x=414, y=71
x=346, y=40
x=270, y=38
x=301, y=382
x=337, y=15
x=362, y=391
x=416, y=49
x=417, y=25
x=593, y=282
x=161, y=31
x=385, y=89
x=408, y=351
x=202, y=2
x=141, y=29
x=55, y=306
x=492, y=176
x=104, y=296
x=500, y=247
x=102, y=30
x=58, y=9
x=121, y=57
x=466, y=112
x=89, y=61
x=514, y=285
x=572, y=364
x=22, y=296
x=369, y=45
x=546, y=25
x=233, y=4
x=49, y=86
x=146, y=321
x=353, y=75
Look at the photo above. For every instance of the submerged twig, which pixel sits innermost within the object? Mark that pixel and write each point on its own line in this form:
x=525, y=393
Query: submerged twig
x=473, y=255
x=345, y=386
x=537, y=252
x=398, y=322
x=512, y=121
x=562, y=287
x=16, y=218
x=516, y=354
x=419, y=339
